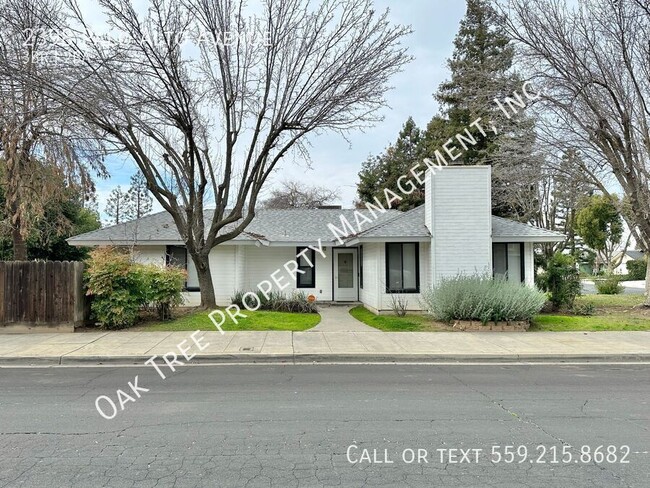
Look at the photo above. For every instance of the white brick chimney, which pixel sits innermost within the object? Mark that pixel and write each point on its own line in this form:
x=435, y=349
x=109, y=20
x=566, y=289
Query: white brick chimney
x=458, y=213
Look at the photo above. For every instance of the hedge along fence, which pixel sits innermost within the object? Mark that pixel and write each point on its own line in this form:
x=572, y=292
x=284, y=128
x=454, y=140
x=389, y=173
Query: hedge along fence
x=42, y=293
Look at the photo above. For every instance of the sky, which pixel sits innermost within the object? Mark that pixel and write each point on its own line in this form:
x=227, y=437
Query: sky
x=335, y=161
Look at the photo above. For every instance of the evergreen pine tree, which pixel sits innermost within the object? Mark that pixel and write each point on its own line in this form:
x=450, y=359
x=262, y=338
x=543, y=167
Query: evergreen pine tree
x=116, y=206
x=138, y=199
x=380, y=172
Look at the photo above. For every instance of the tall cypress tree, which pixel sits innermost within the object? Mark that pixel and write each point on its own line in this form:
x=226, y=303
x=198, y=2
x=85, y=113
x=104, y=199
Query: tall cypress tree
x=481, y=70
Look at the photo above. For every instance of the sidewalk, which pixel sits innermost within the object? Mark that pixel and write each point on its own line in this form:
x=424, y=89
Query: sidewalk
x=315, y=346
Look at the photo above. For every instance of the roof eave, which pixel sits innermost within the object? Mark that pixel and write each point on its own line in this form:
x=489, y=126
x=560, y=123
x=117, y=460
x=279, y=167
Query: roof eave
x=559, y=238
x=360, y=240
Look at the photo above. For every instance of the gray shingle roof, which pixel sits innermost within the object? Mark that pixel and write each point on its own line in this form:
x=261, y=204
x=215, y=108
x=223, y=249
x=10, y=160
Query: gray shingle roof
x=297, y=226
x=406, y=224
x=505, y=228
x=635, y=254
x=293, y=225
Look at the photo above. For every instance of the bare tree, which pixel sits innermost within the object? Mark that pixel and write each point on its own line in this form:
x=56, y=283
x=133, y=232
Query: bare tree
x=293, y=194
x=209, y=121
x=40, y=143
x=591, y=61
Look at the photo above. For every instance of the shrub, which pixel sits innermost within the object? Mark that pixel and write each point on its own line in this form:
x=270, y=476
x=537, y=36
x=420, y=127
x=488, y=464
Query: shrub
x=636, y=269
x=608, y=286
x=399, y=304
x=585, y=309
x=120, y=288
x=561, y=280
x=163, y=288
x=479, y=297
x=276, y=301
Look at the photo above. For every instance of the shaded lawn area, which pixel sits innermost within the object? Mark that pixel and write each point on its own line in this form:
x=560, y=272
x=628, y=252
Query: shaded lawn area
x=412, y=322
x=259, y=320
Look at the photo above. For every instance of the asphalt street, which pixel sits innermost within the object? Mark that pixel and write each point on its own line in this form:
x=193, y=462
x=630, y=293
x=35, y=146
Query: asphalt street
x=327, y=425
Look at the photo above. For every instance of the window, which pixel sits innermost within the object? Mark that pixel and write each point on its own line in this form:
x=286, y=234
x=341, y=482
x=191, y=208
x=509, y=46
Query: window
x=306, y=274
x=508, y=260
x=402, y=267
x=177, y=256
x=360, y=266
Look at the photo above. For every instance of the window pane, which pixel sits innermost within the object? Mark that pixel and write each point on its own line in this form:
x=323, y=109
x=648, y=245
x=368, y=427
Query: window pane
x=395, y=266
x=499, y=260
x=514, y=262
x=177, y=256
x=304, y=259
x=345, y=269
x=306, y=263
x=410, y=271
x=306, y=279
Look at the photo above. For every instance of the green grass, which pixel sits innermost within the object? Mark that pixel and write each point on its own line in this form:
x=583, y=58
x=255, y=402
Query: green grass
x=392, y=323
x=622, y=301
x=563, y=323
x=259, y=320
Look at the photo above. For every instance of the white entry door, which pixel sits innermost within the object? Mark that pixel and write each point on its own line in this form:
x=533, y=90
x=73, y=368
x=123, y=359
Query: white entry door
x=345, y=275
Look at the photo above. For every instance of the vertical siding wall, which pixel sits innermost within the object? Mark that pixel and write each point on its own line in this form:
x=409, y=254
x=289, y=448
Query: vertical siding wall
x=529, y=264
x=461, y=221
x=413, y=298
x=369, y=294
x=260, y=262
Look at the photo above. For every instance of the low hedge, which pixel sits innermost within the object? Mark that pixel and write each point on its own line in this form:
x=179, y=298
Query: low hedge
x=276, y=301
x=483, y=298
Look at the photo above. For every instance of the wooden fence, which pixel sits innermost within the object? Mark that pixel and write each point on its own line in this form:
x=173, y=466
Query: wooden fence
x=34, y=293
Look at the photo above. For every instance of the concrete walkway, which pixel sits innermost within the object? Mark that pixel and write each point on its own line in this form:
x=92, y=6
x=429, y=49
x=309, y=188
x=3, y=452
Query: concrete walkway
x=317, y=346
x=337, y=318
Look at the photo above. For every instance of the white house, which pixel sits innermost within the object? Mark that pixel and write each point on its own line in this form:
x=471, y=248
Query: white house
x=630, y=255
x=398, y=252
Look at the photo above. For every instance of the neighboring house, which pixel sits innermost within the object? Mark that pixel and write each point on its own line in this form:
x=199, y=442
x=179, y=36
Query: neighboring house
x=629, y=256
x=399, y=252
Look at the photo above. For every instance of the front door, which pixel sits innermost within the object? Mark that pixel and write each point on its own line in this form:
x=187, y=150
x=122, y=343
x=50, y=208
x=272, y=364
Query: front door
x=345, y=275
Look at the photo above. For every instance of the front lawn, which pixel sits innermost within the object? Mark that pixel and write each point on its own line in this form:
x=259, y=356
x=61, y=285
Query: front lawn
x=258, y=320
x=563, y=323
x=611, y=301
x=612, y=312
x=412, y=322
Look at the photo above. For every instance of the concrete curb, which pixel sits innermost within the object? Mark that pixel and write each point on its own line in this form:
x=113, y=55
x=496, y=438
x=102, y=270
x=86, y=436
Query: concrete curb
x=326, y=358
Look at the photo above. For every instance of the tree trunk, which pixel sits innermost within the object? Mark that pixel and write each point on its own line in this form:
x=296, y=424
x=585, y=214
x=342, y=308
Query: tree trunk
x=202, y=263
x=647, y=283
x=18, y=242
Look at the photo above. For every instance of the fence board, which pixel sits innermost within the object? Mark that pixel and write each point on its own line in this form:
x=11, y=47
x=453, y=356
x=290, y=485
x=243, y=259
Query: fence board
x=33, y=293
